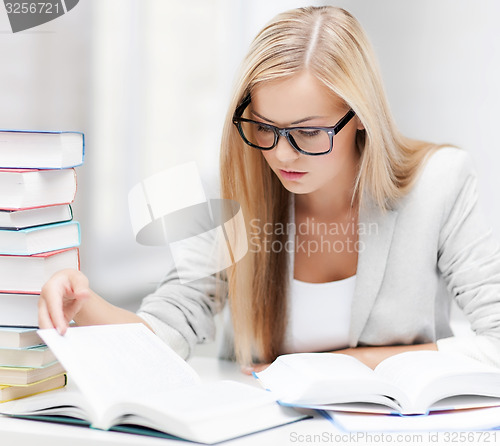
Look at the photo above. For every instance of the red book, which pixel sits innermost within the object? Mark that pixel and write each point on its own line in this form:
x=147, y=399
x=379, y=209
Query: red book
x=27, y=274
x=31, y=188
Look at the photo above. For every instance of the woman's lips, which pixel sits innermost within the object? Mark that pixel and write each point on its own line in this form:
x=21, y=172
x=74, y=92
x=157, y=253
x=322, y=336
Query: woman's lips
x=290, y=175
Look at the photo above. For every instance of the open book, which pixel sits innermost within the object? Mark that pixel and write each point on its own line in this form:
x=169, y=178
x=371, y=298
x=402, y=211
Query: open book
x=407, y=383
x=127, y=378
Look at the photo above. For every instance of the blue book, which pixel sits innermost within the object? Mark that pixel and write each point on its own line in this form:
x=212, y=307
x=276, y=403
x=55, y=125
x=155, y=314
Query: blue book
x=30, y=149
x=31, y=357
x=38, y=239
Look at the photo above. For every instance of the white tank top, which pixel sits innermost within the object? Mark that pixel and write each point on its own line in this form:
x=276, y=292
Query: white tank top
x=319, y=315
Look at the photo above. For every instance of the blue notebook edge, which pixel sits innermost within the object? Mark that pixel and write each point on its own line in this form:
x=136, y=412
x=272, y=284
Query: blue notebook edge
x=41, y=227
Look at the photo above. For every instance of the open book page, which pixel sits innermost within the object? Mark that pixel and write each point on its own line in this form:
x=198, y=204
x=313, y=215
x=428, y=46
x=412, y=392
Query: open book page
x=67, y=401
x=324, y=378
x=211, y=412
x=428, y=376
x=208, y=413
x=113, y=363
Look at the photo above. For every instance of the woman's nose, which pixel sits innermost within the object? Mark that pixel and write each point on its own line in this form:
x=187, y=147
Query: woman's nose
x=284, y=151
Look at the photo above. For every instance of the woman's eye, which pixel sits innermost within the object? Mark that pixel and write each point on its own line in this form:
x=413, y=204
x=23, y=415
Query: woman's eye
x=263, y=129
x=309, y=133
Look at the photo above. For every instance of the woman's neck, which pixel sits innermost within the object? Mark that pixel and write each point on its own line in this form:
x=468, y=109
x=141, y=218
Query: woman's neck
x=332, y=202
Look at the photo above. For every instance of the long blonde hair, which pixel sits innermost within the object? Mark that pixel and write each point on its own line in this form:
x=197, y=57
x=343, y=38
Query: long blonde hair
x=330, y=43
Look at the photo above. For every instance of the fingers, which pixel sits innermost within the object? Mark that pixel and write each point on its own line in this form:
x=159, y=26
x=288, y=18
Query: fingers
x=256, y=368
x=44, y=320
x=247, y=370
x=51, y=305
x=61, y=298
x=79, y=284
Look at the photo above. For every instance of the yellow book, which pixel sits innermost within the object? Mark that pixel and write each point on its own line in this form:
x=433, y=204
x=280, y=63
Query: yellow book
x=15, y=376
x=9, y=393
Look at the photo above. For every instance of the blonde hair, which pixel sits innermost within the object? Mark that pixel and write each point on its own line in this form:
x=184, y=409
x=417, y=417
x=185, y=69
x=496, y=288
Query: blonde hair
x=328, y=42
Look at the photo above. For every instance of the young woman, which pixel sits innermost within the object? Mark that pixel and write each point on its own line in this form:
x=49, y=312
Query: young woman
x=359, y=238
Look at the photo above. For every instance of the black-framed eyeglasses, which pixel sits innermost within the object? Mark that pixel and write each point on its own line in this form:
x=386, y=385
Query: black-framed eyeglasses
x=307, y=140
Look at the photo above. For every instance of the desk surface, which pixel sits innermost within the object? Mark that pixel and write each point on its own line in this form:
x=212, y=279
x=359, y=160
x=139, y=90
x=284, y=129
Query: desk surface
x=19, y=432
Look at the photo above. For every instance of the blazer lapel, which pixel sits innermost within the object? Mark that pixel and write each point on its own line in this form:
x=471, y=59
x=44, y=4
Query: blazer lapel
x=376, y=228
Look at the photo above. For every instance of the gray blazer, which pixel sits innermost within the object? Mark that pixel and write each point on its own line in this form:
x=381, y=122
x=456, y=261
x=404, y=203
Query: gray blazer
x=432, y=247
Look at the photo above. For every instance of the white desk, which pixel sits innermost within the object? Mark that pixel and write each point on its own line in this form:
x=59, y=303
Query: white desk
x=17, y=432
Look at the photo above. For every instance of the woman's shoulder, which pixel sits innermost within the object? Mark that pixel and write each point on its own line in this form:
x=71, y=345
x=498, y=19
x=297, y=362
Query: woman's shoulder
x=445, y=171
x=442, y=177
x=449, y=161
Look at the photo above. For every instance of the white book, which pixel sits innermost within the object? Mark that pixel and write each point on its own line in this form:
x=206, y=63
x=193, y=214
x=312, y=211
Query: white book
x=22, y=376
x=40, y=238
x=408, y=383
x=8, y=393
x=40, y=150
x=34, y=356
x=19, y=310
x=125, y=375
x=19, y=337
x=23, y=188
x=27, y=274
x=26, y=218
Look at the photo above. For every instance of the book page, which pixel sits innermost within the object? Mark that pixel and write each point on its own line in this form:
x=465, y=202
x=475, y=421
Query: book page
x=323, y=378
x=113, y=363
x=427, y=376
x=66, y=401
x=211, y=412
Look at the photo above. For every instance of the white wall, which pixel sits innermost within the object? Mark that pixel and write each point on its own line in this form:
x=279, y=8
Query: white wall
x=149, y=82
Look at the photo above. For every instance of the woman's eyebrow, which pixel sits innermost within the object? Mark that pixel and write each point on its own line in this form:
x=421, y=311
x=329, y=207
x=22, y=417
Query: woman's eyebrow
x=309, y=118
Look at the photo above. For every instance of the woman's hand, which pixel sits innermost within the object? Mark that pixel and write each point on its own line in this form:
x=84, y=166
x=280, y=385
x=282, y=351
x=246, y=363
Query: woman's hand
x=372, y=356
x=248, y=370
x=66, y=296
x=62, y=298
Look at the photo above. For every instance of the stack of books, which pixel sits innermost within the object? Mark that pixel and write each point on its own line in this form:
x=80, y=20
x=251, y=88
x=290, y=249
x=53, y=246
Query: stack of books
x=38, y=237
x=27, y=366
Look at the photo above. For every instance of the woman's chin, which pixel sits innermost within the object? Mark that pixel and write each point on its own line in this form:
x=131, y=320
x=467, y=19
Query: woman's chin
x=295, y=187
